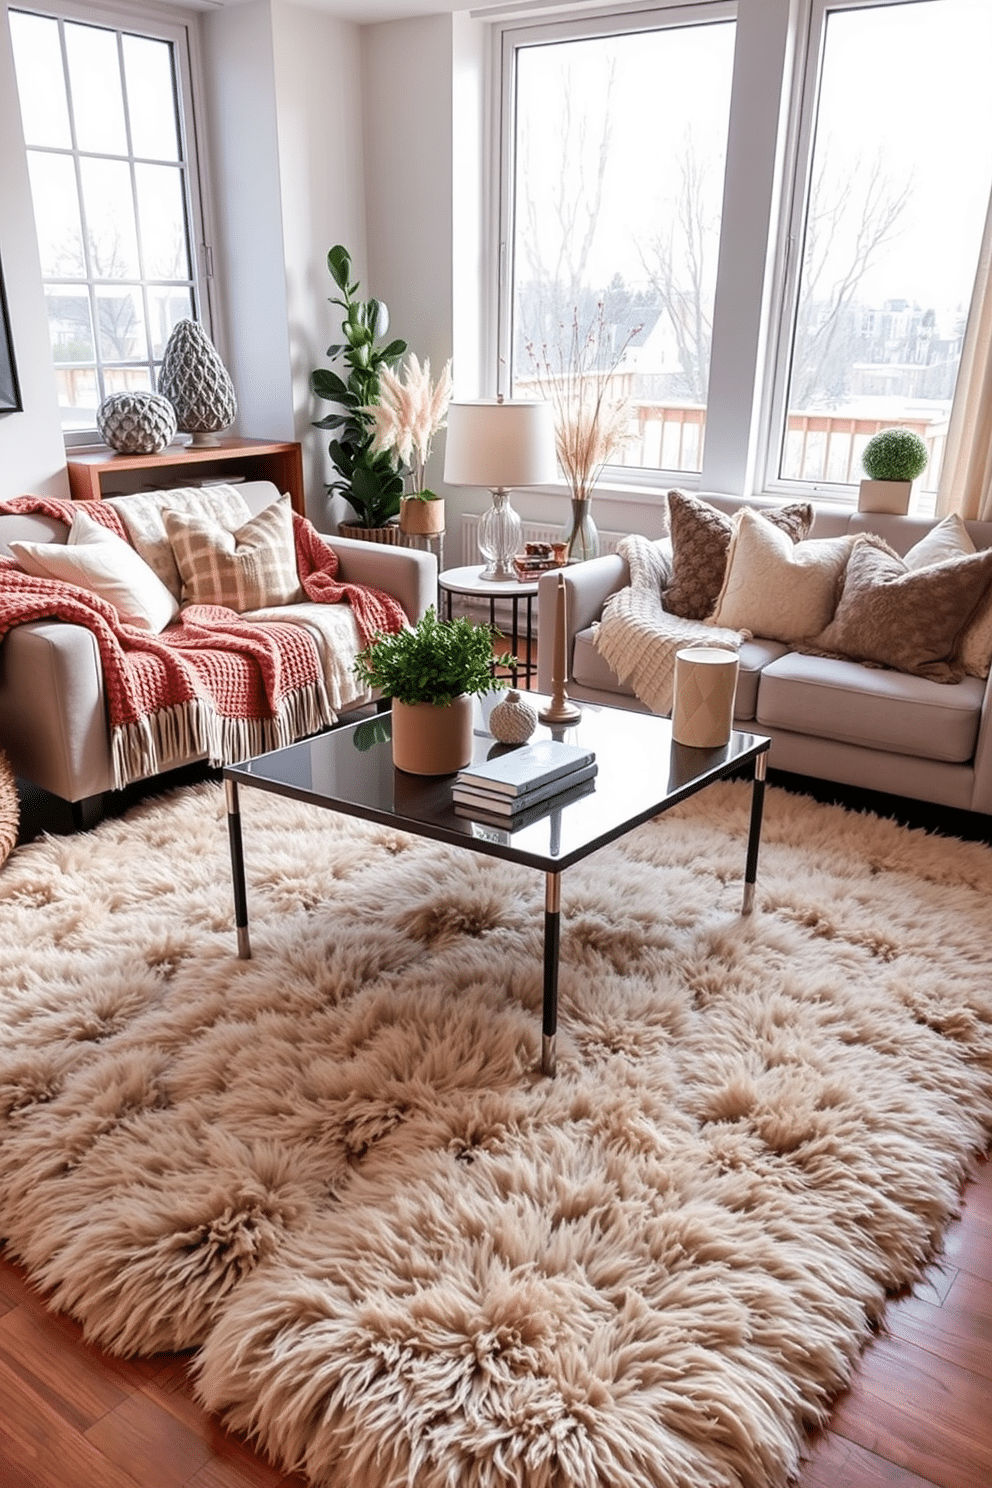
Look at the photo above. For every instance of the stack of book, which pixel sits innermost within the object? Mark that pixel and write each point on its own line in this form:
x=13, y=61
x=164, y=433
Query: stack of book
x=509, y=787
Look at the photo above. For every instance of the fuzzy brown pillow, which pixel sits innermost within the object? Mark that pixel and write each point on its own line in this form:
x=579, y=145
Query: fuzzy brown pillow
x=907, y=619
x=701, y=536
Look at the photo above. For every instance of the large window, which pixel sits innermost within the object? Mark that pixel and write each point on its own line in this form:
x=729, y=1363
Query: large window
x=107, y=126
x=765, y=238
x=890, y=222
x=618, y=153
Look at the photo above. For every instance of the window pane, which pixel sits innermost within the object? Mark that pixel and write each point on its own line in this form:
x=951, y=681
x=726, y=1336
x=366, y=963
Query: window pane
x=898, y=190
x=40, y=82
x=95, y=82
x=69, y=323
x=121, y=321
x=108, y=205
x=166, y=308
x=162, y=221
x=151, y=98
x=56, y=215
x=620, y=147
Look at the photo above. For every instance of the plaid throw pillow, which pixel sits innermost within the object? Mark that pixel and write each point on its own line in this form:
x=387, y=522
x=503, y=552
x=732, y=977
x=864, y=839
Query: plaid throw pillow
x=244, y=570
x=700, y=542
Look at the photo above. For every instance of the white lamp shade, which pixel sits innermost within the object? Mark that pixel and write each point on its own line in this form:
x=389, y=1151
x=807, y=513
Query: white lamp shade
x=498, y=444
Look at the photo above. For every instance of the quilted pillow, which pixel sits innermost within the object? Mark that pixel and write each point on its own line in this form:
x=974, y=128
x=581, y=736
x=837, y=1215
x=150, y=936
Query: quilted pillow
x=776, y=588
x=904, y=618
x=701, y=537
x=97, y=560
x=245, y=570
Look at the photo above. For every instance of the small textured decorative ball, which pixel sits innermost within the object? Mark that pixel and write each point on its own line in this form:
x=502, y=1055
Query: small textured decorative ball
x=136, y=423
x=512, y=721
x=196, y=383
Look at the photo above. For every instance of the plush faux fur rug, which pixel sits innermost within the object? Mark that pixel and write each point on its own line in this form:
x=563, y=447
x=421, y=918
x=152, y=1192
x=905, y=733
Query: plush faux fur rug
x=407, y=1258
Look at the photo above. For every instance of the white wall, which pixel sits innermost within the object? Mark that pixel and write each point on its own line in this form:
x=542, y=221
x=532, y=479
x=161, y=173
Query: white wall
x=32, y=455
x=322, y=175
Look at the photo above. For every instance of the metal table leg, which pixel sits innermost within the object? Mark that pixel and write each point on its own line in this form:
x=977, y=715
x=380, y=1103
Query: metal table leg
x=754, y=834
x=237, y=868
x=552, y=932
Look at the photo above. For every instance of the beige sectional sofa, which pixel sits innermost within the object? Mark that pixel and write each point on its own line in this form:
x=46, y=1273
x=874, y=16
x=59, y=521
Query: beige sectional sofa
x=828, y=718
x=53, y=715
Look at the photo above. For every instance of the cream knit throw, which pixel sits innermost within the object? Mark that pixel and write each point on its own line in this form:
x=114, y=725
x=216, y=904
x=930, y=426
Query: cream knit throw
x=637, y=635
x=141, y=514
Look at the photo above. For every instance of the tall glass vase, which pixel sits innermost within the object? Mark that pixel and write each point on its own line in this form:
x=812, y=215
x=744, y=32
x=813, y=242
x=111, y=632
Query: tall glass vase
x=580, y=533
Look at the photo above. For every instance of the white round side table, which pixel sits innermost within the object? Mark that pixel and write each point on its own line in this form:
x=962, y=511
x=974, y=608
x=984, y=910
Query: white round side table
x=466, y=581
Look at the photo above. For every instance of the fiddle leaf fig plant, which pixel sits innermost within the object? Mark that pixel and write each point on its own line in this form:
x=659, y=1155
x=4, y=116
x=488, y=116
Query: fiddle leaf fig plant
x=434, y=661
x=370, y=480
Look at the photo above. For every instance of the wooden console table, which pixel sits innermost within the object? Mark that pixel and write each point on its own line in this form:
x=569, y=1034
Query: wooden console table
x=94, y=474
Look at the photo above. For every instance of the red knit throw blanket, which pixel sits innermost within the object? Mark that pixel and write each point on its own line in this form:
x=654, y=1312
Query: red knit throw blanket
x=213, y=683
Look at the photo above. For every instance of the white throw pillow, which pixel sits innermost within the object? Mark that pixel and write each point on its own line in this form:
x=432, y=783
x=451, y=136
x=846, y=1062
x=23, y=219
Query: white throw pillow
x=778, y=589
x=948, y=540
x=96, y=559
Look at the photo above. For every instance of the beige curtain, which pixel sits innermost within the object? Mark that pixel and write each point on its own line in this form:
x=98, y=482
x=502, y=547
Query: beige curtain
x=966, y=476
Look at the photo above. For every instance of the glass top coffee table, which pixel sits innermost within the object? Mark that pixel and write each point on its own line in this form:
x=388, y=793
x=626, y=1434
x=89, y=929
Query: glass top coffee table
x=642, y=773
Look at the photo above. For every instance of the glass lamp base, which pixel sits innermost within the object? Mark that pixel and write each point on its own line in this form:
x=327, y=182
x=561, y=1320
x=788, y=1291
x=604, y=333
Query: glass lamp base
x=500, y=534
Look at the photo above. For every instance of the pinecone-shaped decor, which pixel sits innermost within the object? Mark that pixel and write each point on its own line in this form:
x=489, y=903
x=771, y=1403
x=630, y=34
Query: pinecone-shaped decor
x=197, y=384
x=136, y=423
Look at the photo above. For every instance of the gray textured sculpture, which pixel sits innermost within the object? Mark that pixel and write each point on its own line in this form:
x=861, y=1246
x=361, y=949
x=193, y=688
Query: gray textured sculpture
x=136, y=423
x=197, y=384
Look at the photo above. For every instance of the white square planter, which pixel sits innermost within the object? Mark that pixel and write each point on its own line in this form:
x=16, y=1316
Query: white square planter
x=884, y=496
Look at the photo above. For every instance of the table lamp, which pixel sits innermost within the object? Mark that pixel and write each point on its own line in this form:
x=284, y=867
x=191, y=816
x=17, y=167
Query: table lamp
x=499, y=443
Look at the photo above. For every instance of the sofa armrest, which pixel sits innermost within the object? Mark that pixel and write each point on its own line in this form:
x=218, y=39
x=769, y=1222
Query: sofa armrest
x=408, y=574
x=587, y=588
x=53, y=715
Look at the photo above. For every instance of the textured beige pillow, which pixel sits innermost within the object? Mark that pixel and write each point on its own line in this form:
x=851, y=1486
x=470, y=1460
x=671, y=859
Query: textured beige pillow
x=947, y=541
x=907, y=619
x=97, y=560
x=778, y=589
x=701, y=536
x=244, y=570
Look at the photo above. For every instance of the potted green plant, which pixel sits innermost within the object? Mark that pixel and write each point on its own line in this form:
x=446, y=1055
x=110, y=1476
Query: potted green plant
x=369, y=479
x=892, y=460
x=431, y=671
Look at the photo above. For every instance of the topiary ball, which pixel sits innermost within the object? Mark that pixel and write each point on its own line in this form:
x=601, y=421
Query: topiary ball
x=894, y=455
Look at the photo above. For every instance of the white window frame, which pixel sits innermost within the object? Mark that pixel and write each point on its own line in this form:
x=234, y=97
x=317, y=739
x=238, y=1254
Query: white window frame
x=181, y=29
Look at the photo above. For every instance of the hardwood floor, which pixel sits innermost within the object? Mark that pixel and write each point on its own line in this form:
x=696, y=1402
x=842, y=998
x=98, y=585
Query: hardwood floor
x=916, y=1415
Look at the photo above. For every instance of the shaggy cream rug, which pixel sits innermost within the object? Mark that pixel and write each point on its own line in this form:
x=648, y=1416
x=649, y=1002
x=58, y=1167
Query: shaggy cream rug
x=403, y=1255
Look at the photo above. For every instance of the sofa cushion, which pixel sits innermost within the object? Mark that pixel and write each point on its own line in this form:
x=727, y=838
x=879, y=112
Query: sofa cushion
x=701, y=535
x=777, y=588
x=909, y=619
x=834, y=699
x=97, y=560
x=590, y=669
x=249, y=569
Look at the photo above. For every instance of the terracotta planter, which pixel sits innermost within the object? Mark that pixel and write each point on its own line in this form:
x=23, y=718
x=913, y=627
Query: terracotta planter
x=388, y=534
x=429, y=740
x=422, y=518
